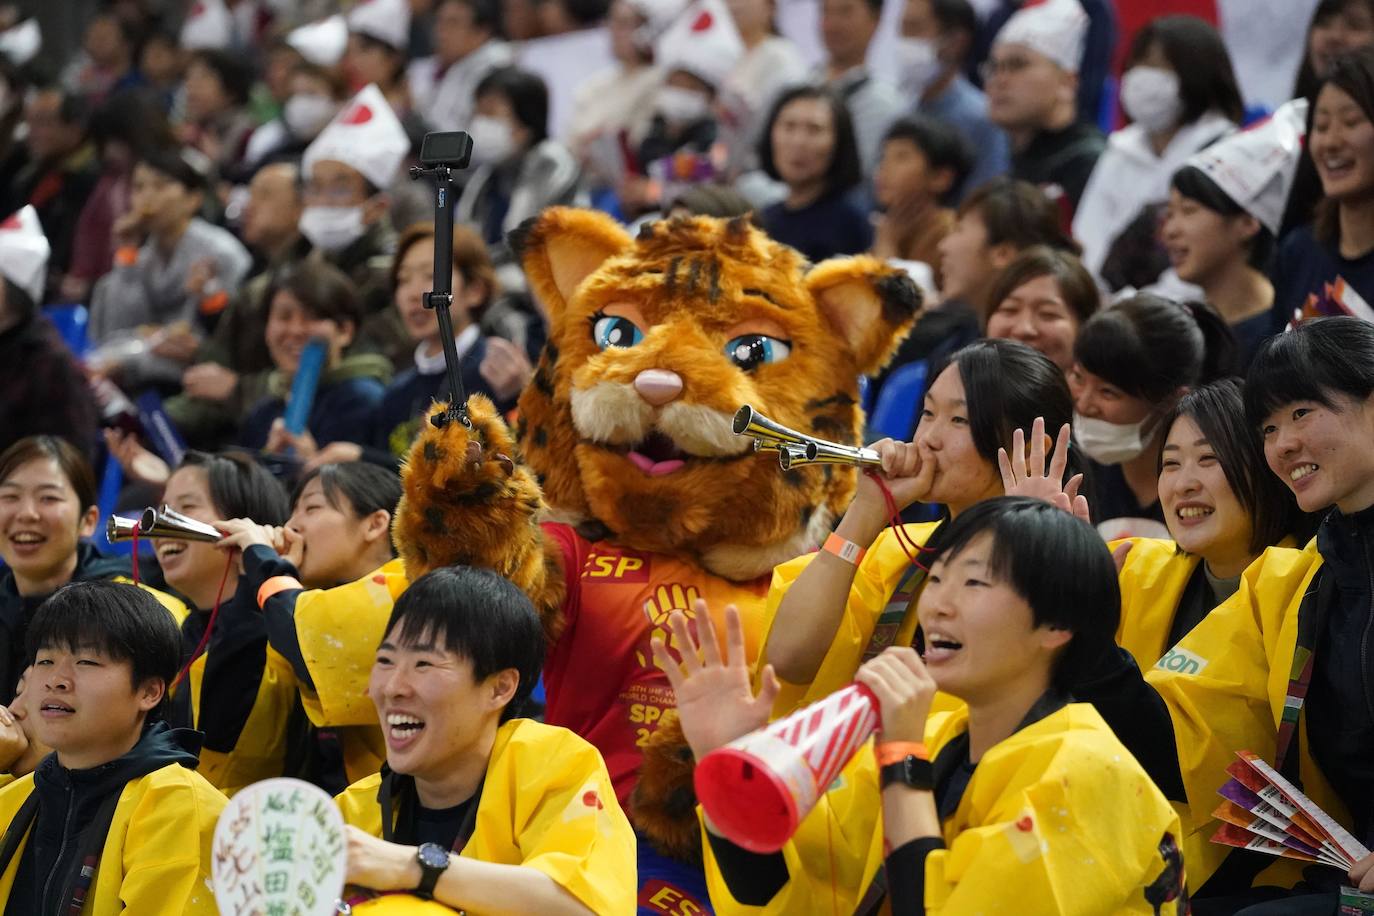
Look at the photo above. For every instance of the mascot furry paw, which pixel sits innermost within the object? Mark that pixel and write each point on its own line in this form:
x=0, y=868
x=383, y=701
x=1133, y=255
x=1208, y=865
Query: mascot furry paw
x=654, y=343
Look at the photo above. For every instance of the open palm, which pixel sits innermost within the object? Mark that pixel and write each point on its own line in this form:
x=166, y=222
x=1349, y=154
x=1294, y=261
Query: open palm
x=715, y=701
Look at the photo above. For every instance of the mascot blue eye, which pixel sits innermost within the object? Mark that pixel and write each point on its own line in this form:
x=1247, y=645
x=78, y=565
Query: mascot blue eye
x=613, y=331
x=749, y=351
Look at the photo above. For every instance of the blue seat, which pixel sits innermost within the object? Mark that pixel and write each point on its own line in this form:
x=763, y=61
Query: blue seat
x=898, y=402
x=70, y=321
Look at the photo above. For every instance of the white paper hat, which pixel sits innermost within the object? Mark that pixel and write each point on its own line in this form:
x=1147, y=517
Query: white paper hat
x=388, y=21
x=365, y=135
x=21, y=42
x=208, y=25
x=658, y=14
x=1054, y=28
x=322, y=43
x=1256, y=167
x=24, y=253
x=703, y=41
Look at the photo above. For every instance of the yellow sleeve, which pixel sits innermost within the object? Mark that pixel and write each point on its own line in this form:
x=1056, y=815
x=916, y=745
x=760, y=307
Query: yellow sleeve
x=833, y=856
x=575, y=831
x=1050, y=848
x=260, y=752
x=339, y=630
x=167, y=849
x=1218, y=683
x=874, y=582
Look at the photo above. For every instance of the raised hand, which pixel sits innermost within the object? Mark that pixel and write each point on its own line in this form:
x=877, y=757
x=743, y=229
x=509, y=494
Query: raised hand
x=1034, y=480
x=715, y=701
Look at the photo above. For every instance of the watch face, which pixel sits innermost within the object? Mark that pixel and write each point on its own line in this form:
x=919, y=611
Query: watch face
x=431, y=855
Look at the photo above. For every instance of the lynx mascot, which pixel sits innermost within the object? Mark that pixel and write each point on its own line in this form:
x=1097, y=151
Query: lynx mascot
x=648, y=498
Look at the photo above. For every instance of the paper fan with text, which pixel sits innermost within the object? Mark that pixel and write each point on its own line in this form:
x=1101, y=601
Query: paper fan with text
x=1265, y=812
x=279, y=850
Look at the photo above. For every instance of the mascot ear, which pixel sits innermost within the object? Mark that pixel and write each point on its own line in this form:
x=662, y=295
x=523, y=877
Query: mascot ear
x=562, y=247
x=870, y=304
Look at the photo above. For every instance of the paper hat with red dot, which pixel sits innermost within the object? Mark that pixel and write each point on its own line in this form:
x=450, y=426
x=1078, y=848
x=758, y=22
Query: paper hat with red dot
x=208, y=25
x=388, y=21
x=24, y=252
x=22, y=42
x=703, y=41
x=1256, y=167
x=322, y=43
x=1054, y=28
x=365, y=135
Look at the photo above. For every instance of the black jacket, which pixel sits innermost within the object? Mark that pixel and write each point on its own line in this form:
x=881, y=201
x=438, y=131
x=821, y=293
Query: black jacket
x=68, y=821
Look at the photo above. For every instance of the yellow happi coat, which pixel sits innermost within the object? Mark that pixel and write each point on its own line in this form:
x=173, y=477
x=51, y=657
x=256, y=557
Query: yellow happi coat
x=1040, y=831
x=547, y=804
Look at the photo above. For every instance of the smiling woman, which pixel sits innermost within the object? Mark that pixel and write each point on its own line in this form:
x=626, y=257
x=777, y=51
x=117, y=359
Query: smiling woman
x=1222, y=507
x=47, y=509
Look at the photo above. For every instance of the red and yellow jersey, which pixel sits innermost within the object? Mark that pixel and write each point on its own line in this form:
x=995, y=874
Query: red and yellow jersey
x=600, y=677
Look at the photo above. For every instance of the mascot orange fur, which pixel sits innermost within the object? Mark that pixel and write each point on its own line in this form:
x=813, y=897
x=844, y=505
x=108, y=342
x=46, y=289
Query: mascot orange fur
x=652, y=500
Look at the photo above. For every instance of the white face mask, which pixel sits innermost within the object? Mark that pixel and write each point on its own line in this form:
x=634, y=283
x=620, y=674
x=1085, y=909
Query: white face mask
x=681, y=106
x=492, y=140
x=1150, y=97
x=306, y=115
x=918, y=64
x=1111, y=443
x=332, y=229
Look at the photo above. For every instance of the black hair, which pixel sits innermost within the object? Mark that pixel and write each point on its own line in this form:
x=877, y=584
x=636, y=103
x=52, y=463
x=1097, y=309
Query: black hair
x=1198, y=56
x=1018, y=213
x=478, y=615
x=355, y=486
x=1193, y=183
x=486, y=14
x=1149, y=346
x=70, y=460
x=1316, y=361
x=876, y=6
x=1058, y=564
x=233, y=73
x=955, y=16
x=324, y=291
x=240, y=487
x=1307, y=81
x=942, y=145
x=73, y=108
x=1007, y=384
x=527, y=94
x=397, y=55
x=1218, y=409
x=17, y=299
x=117, y=619
x=136, y=118
x=846, y=168
x=180, y=165
x=1353, y=74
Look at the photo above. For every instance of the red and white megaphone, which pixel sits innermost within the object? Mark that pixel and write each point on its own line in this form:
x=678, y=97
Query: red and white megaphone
x=757, y=789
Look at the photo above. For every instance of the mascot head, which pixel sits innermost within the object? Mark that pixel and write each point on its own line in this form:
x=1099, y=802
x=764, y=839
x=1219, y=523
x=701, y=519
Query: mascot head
x=656, y=341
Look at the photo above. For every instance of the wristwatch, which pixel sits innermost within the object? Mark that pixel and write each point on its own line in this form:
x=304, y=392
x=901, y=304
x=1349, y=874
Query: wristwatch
x=433, y=859
x=911, y=771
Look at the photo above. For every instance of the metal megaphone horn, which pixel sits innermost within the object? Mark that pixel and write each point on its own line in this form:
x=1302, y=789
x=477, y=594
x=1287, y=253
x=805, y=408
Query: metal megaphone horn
x=796, y=449
x=164, y=523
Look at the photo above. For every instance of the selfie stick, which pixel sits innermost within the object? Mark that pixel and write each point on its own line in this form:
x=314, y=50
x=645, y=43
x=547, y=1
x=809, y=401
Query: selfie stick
x=440, y=155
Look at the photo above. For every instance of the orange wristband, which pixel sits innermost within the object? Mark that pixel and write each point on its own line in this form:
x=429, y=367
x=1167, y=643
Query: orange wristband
x=889, y=752
x=845, y=549
x=126, y=256
x=275, y=585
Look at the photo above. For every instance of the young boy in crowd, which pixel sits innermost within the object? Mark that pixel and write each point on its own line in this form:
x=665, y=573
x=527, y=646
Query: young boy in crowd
x=476, y=808
x=116, y=819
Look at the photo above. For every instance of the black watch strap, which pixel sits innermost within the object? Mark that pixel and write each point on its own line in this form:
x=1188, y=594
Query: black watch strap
x=910, y=771
x=433, y=860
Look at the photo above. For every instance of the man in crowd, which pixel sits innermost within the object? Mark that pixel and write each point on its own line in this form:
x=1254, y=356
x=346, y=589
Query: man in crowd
x=847, y=29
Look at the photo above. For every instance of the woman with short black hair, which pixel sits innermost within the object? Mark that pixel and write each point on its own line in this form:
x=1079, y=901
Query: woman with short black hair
x=808, y=144
x=996, y=805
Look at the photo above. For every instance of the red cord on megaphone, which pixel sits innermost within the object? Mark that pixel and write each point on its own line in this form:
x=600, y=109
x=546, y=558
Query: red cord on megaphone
x=759, y=788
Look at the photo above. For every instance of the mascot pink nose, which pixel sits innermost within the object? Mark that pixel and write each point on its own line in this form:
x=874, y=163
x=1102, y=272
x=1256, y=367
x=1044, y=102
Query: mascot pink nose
x=658, y=386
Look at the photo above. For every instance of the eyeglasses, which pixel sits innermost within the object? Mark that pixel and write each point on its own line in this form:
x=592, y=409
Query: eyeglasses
x=1008, y=65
